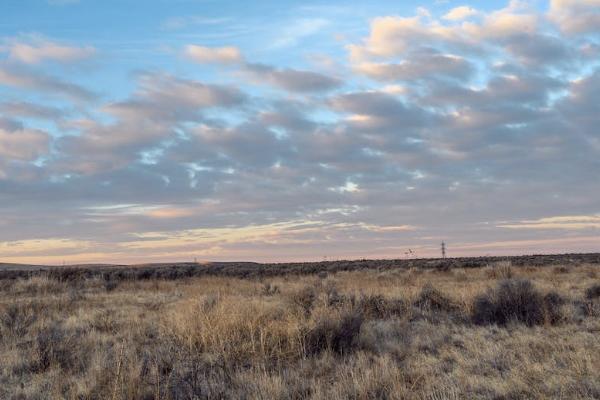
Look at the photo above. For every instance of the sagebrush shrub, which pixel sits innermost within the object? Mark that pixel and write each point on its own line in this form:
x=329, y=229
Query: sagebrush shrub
x=553, y=303
x=519, y=301
x=378, y=307
x=56, y=346
x=110, y=285
x=593, y=292
x=269, y=289
x=500, y=270
x=561, y=270
x=304, y=299
x=15, y=320
x=432, y=299
x=339, y=335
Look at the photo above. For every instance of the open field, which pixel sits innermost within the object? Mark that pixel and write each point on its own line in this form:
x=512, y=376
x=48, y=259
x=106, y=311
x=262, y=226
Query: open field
x=397, y=329
x=255, y=270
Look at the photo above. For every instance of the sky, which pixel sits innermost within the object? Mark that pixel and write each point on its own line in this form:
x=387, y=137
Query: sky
x=142, y=131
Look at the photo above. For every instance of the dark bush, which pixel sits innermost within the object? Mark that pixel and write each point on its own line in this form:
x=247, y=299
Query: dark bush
x=588, y=308
x=57, y=346
x=553, y=303
x=561, y=270
x=517, y=300
x=593, y=292
x=334, y=298
x=304, y=299
x=378, y=307
x=339, y=335
x=68, y=274
x=110, y=285
x=16, y=320
x=322, y=275
x=432, y=299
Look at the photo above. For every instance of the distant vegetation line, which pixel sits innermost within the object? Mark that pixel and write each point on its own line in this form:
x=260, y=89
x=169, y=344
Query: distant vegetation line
x=171, y=271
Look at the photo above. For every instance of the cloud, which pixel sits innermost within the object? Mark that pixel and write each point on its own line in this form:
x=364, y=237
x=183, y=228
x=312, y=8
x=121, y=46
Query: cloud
x=37, y=81
x=20, y=144
x=540, y=50
x=161, y=94
x=174, y=23
x=220, y=55
x=291, y=33
x=575, y=16
x=36, y=49
x=289, y=79
x=292, y=80
x=423, y=64
x=576, y=222
x=395, y=36
x=419, y=135
x=158, y=109
x=460, y=13
x=31, y=110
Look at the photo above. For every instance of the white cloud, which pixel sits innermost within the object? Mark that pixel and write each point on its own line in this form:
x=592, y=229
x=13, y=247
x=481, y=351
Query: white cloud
x=35, y=50
x=460, y=13
x=575, y=222
x=220, y=55
x=576, y=16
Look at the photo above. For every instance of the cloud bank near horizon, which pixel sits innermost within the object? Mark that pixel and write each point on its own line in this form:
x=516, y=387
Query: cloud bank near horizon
x=474, y=126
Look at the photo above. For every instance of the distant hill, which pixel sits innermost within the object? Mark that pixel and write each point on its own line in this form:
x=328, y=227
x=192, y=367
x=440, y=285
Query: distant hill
x=257, y=270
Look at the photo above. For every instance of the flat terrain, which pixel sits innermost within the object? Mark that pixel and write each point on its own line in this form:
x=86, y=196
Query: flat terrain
x=485, y=328
x=251, y=269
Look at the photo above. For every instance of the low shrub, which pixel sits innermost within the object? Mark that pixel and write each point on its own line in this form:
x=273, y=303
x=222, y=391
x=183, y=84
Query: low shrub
x=431, y=299
x=593, y=292
x=339, y=335
x=15, y=320
x=500, y=270
x=378, y=307
x=516, y=300
x=56, y=346
x=588, y=308
x=561, y=270
x=334, y=298
x=553, y=303
x=304, y=299
x=269, y=289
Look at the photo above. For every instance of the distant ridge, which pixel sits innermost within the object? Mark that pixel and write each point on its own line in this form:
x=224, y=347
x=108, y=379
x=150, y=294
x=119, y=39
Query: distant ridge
x=256, y=270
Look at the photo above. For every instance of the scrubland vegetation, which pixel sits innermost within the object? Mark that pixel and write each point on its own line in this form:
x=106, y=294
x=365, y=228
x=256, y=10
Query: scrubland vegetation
x=497, y=332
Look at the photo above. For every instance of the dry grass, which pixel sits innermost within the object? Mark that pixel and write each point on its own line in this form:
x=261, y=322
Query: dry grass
x=391, y=334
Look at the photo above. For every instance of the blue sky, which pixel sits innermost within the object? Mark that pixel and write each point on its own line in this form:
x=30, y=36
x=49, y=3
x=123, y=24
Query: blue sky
x=156, y=130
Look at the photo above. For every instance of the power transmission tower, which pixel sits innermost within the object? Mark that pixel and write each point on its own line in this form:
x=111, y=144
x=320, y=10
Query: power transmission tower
x=443, y=250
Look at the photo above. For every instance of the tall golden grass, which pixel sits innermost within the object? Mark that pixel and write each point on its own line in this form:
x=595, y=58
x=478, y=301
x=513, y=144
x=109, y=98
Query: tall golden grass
x=394, y=334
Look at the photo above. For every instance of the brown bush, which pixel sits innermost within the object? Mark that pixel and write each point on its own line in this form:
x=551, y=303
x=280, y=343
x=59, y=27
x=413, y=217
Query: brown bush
x=593, y=292
x=500, y=270
x=431, y=299
x=304, y=299
x=339, y=335
x=518, y=301
x=56, y=346
x=378, y=307
x=269, y=289
x=16, y=319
